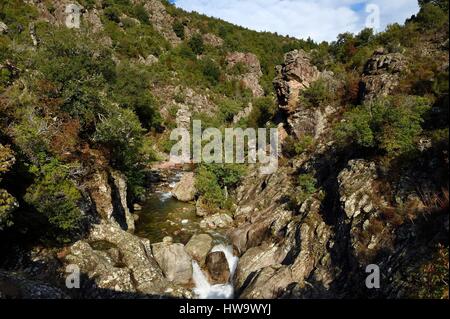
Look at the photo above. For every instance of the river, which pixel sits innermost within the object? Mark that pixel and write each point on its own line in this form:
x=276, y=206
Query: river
x=162, y=216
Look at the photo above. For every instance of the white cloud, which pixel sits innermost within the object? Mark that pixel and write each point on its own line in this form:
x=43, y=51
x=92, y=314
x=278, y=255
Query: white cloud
x=319, y=19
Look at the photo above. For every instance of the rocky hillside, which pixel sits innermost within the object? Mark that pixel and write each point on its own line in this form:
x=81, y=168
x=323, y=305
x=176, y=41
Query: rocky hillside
x=91, y=89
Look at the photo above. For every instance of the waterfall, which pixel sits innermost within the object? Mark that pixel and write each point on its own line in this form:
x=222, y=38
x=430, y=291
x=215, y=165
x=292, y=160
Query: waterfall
x=203, y=289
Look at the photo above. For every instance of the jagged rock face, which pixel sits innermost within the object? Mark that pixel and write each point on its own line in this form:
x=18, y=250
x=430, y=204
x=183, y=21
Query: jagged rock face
x=356, y=187
x=109, y=196
x=253, y=70
x=124, y=264
x=257, y=258
x=261, y=210
x=212, y=40
x=198, y=247
x=295, y=75
x=217, y=266
x=185, y=189
x=368, y=233
x=174, y=261
x=161, y=20
x=310, y=121
x=381, y=75
x=183, y=119
x=14, y=286
x=268, y=283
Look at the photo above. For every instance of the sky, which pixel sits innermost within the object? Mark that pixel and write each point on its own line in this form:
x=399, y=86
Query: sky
x=322, y=20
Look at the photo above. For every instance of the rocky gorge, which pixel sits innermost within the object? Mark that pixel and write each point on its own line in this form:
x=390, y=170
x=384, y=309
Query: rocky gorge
x=362, y=177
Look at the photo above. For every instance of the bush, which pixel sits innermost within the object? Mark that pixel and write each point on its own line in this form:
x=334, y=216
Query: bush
x=390, y=125
x=132, y=92
x=112, y=14
x=121, y=132
x=264, y=109
x=306, y=186
x=317, y=94
x=212, y=179
x=196, y=44
x=208, y=186
x=55, y=196
x=211, y=71
x=141, y=14
x=178, y=28
x=293, y=147
x=431, y=16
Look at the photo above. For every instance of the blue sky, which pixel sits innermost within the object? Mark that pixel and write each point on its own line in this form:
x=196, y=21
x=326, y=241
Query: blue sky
x=319, y=19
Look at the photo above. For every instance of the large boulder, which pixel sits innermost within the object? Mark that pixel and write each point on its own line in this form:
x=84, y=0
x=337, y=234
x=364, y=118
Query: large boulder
x=174, y=261
x=218, y=269
x=217, y=221
x=199, y=246
x=185, y=189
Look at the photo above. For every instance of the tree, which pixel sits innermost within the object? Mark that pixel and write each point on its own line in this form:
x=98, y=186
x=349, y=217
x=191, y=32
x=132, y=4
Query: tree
x=196, y=44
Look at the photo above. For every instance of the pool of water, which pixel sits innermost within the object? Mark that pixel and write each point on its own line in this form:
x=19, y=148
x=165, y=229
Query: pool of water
x=162, y=215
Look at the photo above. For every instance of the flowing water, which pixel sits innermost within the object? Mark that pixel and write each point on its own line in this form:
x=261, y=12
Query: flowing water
x=203, y=289
x=162, y=215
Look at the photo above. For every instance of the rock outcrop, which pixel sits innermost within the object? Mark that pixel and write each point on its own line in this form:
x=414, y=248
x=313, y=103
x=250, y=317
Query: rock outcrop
x=108, y=193
x=295, y=75
x=252, y=70
x=161, y=20
x=381, y=75
x=219, y=220
x=185, y=189
x=117, y=261
x=3, y=28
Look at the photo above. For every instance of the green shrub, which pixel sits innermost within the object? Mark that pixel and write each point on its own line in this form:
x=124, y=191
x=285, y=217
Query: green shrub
x=212, y=179
x=55, y=196
x=141, y=14
x=196, y=44
x=390, y=125
x=211, y=71
x=208, y=186
x=112, y=14
x=318, y=94
x=264, y=109
x=178, y=28
x=431, y=16
x=306, y=186
x=132, y=92
x=121, y=132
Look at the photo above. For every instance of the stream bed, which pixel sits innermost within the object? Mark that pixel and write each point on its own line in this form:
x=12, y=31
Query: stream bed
x=162, y=216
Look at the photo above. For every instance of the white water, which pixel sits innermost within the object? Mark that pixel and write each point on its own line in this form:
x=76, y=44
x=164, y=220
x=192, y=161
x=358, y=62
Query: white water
x=203, y=289
x=165, y=196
